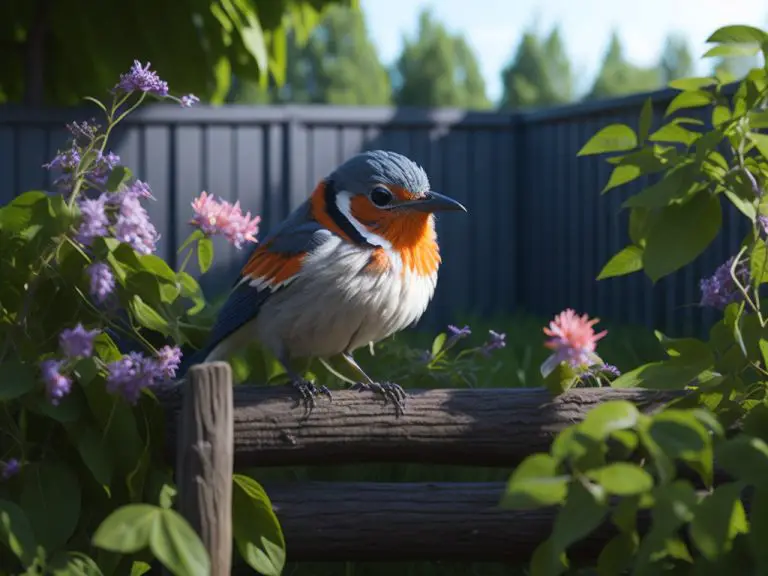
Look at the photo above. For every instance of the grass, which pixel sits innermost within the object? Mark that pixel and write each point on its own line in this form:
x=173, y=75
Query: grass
x=516, y=365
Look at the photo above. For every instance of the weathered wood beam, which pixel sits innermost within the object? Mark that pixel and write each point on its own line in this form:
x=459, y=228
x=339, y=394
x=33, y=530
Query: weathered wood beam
x=365, y=521
x=481, y=427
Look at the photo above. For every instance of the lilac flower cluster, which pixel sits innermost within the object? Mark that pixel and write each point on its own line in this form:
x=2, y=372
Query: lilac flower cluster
x=10, y=468
x=719, y=290
x=143, y=79
x=74, y=343
x=496, y=341
x=134, y=372
x=68, y=162
x=102, y=281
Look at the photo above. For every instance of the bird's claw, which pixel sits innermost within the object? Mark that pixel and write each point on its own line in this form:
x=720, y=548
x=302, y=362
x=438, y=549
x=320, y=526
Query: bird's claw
x=389, y=390
x=308, y=392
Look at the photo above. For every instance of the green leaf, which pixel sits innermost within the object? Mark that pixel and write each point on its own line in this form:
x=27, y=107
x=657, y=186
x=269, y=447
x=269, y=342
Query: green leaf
x=641, y=221
x=438, y=343
x=622, y=479
x=744, y=458
x=676, y=187
x=197, y=234
x=547, y=561
x=626, y=261
x=731, y=51
x=581, y=515
x=744, y=205
x=179, y=548
x=18, y=379
x=680, y=434
x=758, y=529
x=681, y=234
x=16, y=532
x=645, y=120
x=204, y=254
x=50, y=496
x=761, y=142
x=191, y=289
x=616, y=557
x=737, y=34
x=119, y=176
x=758, y=264
x=720, y=115
x=717, y=520
x=561, y=378
x=535, y=483
x=674, y=132
x=128, y=529
x=95, y=454
x=18, y=214
x=158, y=267
x=673, y=374
x=689, y=99
x=608, y=418
x=694, y=83
x=612, y=138
x=255, y=527
x=148, y=317
x=73, y=564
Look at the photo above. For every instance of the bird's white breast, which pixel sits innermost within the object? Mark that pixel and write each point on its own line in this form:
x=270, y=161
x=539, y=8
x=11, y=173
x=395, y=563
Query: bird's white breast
x=336, y=305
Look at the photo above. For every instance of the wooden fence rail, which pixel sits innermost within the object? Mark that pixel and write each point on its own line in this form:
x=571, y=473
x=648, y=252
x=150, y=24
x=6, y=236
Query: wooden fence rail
x=215, y=428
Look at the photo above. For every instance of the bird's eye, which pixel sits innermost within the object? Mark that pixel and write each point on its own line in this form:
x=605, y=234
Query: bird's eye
x=381, y=196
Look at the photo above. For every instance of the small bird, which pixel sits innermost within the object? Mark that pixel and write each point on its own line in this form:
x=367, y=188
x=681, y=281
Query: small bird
x=353, y=264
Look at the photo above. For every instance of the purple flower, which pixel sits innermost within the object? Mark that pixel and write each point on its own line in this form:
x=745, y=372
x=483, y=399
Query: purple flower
x=168, y=361
x=56, y=384
x=496, y=341
x=133, y=225
x=102, y=281
x=720, y=290
x=763, y=222
x=102, y=167
x=10, y=468
x=139, y=189
x=66, y=161
x=95, y=222
x=83, y=130
x=77, y=341
x=459, y=332
x=142, y=80
x=608, y=369
x=189, y=100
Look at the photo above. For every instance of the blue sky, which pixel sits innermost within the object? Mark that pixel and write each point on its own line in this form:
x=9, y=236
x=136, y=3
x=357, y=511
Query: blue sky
x=494, y=27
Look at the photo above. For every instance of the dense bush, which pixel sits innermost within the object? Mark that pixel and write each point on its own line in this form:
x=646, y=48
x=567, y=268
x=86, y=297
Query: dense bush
x=620, y=465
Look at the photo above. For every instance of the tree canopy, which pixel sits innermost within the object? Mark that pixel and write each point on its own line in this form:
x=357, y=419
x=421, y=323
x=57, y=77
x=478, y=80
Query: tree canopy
x=617, y=76
x=437, y=68
x=56, y=51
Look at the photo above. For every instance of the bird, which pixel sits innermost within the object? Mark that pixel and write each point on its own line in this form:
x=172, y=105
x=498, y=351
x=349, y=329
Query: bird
x=353, y=264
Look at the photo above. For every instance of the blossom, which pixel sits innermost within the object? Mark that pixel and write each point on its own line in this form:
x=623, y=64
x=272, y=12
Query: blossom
x=10, y=468
x=142, y=79
x=763, y=221
x=77, y=341
x=133, y=225
x=134, y=372
x=719, y=290
x=214, y=217
x=102, y=281
x=98, y=173
x=459, y=332
x=497, y=340
x=95, y=222
x=68, y=161
x=168, y=361
x=189, y=100
x=573, y=340
x=56, y=384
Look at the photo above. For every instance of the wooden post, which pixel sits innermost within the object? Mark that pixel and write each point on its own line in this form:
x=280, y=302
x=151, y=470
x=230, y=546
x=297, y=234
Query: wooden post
x=204, y=462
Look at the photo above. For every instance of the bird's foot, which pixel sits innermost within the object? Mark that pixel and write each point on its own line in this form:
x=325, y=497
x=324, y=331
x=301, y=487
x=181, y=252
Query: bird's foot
x=389, y=390
x=309, y=392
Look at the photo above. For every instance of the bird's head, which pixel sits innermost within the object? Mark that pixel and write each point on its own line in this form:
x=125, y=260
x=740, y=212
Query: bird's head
x=385, y=198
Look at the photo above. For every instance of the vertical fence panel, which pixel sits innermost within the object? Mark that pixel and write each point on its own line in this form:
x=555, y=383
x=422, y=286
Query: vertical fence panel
x=536, y=236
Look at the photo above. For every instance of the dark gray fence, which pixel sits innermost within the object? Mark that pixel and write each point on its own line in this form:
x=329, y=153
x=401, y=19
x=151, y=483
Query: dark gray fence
x=537, y=234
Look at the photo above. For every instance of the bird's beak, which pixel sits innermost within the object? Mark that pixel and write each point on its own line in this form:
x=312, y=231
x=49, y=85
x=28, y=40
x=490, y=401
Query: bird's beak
x=434, y=202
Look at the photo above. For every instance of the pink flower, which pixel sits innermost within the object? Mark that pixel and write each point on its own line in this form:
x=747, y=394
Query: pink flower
x=220, y=217
x=573, y=340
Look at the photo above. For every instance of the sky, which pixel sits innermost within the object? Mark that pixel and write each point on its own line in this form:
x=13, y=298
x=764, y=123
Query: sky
x=494, y=27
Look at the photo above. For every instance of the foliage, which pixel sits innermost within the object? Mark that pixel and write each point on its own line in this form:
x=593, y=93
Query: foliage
x=539, y=74
x=436, y=68
x=676, y=59
x=622, y=466
x=90, y=325
x=617, y=76
x=201, y=44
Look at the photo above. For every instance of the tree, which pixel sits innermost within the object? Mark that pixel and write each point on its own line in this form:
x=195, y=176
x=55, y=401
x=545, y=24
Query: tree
x=676, y=59
x=338, y=65
x=56, y=51
x=539, y=73
x=437, y=68
x=617, y=76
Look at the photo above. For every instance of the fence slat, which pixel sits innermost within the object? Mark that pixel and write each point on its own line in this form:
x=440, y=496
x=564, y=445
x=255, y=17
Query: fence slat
x=372, y=521
x=477, y=427
x=204, y=461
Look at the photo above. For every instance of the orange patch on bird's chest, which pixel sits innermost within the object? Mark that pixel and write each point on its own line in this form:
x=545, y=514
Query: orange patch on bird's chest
x=273, y=267
x=411, y=234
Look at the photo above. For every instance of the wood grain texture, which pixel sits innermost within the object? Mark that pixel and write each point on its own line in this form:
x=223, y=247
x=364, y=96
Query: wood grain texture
x=482, y=427
x=367, y=521
x=204, y=461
